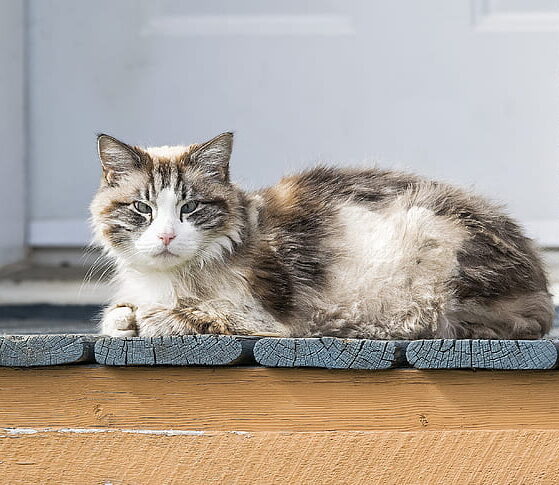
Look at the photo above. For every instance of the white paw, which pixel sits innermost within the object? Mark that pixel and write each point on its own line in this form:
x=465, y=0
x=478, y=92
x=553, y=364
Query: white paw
x=119, y=322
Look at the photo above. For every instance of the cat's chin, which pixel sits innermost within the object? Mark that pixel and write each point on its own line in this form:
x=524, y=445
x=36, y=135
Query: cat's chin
x=163, y=261
x=165, y=254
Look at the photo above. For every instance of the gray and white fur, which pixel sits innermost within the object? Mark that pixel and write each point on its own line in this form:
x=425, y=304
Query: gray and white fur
x=356, y=253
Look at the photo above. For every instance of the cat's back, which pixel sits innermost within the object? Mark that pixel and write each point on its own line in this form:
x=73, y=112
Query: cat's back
x=324, y=185
x=317, y=202
x=319, y=195
x=385, y=236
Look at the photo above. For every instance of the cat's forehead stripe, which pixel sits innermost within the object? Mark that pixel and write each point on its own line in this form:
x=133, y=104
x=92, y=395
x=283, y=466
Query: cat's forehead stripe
x=179, y=184
x=165, y=174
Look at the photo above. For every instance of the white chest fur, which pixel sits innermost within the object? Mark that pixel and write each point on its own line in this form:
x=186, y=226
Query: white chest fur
x=164, y=288
x=141, y=288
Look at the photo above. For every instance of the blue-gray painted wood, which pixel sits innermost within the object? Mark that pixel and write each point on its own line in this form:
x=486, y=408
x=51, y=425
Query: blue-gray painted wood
x=330, y=353
x=174, y=350
x=482, y=354
x=40, y=350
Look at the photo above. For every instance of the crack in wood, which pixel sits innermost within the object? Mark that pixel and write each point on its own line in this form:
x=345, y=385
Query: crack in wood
x=482, y=354
x=173, y=350
x=329, y=352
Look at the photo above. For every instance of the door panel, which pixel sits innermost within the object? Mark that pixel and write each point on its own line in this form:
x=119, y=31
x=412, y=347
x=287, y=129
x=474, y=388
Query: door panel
x=453, y=90
x=12, y=128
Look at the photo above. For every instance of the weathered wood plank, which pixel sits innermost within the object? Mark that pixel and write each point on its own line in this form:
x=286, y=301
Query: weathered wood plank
x=39, y=350
x=482, y=354
x=267, y=399
x=330, y=353
x=480, y=457
x=176, y=350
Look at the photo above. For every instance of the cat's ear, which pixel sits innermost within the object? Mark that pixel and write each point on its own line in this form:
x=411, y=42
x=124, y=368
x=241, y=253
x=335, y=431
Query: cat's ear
x=213, y=156
x=117, y=158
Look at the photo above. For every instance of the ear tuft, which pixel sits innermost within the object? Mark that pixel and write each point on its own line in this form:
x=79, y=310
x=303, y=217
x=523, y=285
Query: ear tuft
x=214, y=155
x=117, y=158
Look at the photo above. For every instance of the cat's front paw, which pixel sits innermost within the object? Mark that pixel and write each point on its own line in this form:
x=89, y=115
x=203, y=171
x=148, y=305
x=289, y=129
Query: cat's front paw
x=120, y=321
x=206, y=323
x=157, y=320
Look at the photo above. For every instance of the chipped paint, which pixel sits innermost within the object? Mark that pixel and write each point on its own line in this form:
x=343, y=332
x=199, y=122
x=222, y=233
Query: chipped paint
x=158, y=432
x=242, y=433
x=16, y=431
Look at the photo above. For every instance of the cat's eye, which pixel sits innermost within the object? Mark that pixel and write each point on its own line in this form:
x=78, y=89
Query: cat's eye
x=189, y=207
x=142, y=207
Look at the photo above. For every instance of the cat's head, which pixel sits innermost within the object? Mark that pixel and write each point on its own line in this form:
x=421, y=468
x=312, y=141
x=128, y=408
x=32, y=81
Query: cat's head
x=162, y=207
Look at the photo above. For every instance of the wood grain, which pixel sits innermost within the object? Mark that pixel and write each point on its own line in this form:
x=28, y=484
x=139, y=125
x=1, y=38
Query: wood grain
x=175, y=350
x=429, y=457
x=330, y=353
x=266, y=399
x=482, y=354
x=40, y=350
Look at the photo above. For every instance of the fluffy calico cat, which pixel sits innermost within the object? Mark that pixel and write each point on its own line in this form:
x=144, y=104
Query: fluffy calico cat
x=339, y=252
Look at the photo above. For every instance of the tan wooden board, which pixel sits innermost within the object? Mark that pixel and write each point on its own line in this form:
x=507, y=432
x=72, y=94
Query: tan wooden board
x=385, y=457
x=263, y=399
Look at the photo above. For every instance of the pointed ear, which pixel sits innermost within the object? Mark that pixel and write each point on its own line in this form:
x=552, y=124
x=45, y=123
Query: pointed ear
x=117, y=158
x=213, y=156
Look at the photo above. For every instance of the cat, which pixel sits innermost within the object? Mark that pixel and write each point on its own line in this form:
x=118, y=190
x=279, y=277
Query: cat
x=352, y=253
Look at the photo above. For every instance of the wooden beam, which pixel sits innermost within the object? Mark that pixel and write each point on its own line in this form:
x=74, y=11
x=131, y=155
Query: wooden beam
x=40, y=350
x=198, y=425
x=265, y=399
x=330, y=353
x=175, y=350
x=481, y=457
x=326, y=352
x=482, y=354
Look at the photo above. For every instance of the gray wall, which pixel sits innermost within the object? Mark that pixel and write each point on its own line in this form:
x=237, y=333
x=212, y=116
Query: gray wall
x=12, y=87
x=423, y=85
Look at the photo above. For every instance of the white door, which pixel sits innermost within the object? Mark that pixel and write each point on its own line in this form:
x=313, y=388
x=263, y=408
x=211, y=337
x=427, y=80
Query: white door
x=12, y=128
x=461, y=90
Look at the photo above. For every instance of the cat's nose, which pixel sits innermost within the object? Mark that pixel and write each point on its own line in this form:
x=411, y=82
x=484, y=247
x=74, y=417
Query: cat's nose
x=167, y=237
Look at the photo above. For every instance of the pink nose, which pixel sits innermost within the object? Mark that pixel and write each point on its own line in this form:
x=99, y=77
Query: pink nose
x=167, y=237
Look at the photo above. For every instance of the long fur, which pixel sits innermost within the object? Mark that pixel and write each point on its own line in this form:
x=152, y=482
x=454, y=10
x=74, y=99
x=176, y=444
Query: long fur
x=339, y=252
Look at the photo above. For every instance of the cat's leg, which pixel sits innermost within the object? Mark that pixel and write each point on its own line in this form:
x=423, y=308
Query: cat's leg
x=158, y=320
x=407, y=310
x=119, y=321
x=527, y=316
x=191, y=316
x=352, y=322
